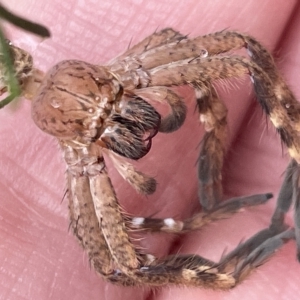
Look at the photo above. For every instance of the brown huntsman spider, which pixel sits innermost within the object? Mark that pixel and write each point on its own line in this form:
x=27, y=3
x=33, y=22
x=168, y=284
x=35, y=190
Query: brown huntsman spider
x=94, y=109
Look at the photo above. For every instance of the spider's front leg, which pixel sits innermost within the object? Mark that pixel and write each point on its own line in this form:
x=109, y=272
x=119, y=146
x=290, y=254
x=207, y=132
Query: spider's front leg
x=95, y=217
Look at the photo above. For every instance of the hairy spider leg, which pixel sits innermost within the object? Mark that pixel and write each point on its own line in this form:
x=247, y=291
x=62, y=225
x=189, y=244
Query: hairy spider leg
x=224, y=210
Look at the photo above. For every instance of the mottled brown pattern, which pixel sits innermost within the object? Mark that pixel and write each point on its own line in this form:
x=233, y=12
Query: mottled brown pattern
x=94, y=110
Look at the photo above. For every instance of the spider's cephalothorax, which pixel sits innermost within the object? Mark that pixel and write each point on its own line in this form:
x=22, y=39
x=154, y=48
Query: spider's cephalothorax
x=93, y=109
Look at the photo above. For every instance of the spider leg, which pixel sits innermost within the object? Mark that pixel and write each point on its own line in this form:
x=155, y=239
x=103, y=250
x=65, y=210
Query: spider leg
x=285, y=196
x=213, y=114
x=112, y=224
x=157, y=39
x=254, y=252
x=129, y=63
x=187, y=270
x=224, y=210
x=276, y=99
x=85, y=224
x=168, y=46
x=93, y=205
x=194, y=270
x=290, y=192
x=260, y=246
x=296, y=199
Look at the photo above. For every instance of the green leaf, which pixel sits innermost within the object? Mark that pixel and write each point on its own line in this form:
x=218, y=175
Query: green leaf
x=23, y=23
x=11, y=81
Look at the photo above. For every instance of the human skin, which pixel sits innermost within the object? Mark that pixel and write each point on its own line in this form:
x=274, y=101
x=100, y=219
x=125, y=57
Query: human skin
x=40, y=259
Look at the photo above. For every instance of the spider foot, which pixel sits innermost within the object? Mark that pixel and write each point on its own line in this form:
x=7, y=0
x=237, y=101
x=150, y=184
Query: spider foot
x=254, y=252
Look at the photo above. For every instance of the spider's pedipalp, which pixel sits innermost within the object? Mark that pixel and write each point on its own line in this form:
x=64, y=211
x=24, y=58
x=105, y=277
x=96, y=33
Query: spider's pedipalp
x=173, y=120
x=125, y=137
x=138, y=110
x=142, y=183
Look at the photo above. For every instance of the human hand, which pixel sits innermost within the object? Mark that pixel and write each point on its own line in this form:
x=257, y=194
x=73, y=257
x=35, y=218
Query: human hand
x=40, y=259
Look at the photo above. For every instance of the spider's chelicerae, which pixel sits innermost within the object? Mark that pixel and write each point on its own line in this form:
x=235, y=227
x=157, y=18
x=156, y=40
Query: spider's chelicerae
x=95, y=109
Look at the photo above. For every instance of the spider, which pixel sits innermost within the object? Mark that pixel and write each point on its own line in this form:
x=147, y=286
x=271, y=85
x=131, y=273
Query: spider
x=95, y=110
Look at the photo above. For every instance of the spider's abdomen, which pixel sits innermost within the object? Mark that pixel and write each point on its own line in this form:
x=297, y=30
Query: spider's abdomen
x=74, y=100
x=23, y=66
